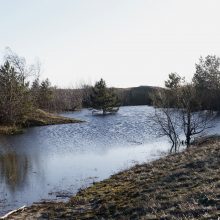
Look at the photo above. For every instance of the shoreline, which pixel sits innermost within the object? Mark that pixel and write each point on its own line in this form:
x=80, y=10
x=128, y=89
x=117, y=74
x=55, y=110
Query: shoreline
x=36, y=119
x=178, y=186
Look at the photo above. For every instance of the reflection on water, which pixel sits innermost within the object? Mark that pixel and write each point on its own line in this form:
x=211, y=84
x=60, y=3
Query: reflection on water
x=13, y=170
x=53, y=161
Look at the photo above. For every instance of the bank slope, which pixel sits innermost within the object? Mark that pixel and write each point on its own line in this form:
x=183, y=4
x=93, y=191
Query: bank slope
x=181, y=186
x=37, y=118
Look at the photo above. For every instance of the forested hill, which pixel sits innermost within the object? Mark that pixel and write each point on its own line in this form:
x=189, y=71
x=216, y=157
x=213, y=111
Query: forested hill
x=136, y=95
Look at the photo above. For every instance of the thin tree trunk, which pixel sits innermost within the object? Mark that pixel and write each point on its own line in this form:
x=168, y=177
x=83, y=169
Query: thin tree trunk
x=188, y=135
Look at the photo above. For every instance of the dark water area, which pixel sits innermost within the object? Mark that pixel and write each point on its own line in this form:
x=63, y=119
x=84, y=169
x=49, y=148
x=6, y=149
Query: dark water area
x=54, y=162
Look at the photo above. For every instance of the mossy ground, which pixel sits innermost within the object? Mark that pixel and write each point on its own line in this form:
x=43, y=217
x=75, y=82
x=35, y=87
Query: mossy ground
x=36, y=118
x=184, y=185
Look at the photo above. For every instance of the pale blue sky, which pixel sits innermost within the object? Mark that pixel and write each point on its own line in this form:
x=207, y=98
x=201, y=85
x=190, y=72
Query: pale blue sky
x=127, y=42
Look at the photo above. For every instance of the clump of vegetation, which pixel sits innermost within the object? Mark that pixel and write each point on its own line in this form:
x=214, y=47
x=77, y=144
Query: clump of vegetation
x=42, y=94
x=207, y=82
x=184, y=185
x=195, y=102
x=104, y=98
x=14, y=96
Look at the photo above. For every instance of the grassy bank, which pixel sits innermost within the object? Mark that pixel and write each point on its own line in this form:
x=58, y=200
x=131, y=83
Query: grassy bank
x=37, y=118
x=181, y=186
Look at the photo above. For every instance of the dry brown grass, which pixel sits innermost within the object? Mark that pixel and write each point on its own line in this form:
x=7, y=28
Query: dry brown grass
x=36, y=118
x=41, y=118
x=180, y=186
x=9, y=129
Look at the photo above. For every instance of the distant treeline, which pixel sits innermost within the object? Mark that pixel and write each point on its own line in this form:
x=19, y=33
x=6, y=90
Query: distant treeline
x=74, y=99
x=71, y=99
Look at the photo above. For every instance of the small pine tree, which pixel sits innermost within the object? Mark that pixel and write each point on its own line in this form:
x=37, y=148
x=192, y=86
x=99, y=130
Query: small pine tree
x=104, y=98
x=45, y=95
x=42, y=94
x=174, y=81
x=35, y=89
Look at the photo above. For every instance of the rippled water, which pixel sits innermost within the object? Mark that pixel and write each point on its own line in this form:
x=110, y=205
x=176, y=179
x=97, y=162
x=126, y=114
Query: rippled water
x=53, y=162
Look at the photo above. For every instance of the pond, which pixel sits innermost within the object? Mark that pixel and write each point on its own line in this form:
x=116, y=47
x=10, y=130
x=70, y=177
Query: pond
x=54, y=162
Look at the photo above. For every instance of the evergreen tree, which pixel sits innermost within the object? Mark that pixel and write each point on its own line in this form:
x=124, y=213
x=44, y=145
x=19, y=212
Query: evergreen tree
x=207, y=82
x=207, y=74
x=35, y=89
x=174, y=81
x=15, y=101
x=104, y=98
x=45, y=95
